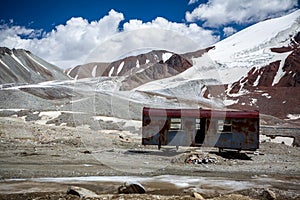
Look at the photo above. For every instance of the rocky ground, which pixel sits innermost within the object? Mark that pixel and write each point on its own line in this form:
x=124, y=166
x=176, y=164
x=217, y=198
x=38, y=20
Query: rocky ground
x=30, y=151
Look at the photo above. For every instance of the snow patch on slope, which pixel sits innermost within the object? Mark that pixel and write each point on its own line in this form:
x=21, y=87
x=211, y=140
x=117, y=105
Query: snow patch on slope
x=18, y=60
x=94, y=71
x=166, y=56
x=34, y=60
x=111, y=71
x=293, y=116
x=280, y=71
x=120, y=67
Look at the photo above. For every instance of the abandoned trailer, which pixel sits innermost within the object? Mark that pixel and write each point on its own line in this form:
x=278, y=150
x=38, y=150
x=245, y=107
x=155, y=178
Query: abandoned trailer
x=237, y=130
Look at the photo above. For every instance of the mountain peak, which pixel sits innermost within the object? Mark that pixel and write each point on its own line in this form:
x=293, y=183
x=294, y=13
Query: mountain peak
x=21, y=66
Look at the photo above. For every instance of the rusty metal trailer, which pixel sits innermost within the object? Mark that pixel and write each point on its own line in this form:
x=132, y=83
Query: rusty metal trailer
x=237, y=130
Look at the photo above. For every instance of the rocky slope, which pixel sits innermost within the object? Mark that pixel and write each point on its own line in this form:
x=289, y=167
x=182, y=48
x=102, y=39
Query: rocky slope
x=140, y=69
x=19, y=66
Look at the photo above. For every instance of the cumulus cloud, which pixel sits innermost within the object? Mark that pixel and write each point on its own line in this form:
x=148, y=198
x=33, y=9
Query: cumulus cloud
x=67, y=45
x=140, y=37
x=218, y=12
x=73, y=43
x=192, y=31
x=228, y=31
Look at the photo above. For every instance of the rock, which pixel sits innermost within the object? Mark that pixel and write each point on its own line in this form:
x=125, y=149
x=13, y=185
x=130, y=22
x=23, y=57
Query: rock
x=197, y=159
x=131, y=188
x=268, y=194
x=198, y=196
x=81, y=192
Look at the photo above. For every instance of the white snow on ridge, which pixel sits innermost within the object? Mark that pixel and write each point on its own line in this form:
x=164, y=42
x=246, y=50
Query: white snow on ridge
x=94, y=71
x=120, y=67
x=111, y=71
x=18, y=60
x=166, y=56
x=255, y=38
x=5, y=64
x=34, y=60
x=205, y=68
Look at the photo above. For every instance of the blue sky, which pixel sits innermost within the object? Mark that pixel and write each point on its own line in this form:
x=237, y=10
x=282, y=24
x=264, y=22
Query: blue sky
x=66, y=26
x=47, y=14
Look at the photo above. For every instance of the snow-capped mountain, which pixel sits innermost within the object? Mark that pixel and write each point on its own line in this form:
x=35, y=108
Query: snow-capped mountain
x=268, y=43
x=260, y=67
x=21, y=66
x=140, y=69
x=257, y=68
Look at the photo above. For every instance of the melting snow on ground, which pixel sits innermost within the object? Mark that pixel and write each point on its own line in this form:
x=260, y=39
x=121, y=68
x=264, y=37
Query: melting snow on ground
x=48, y=115
x=278, y=139
x=128, y=123
x=293, y=116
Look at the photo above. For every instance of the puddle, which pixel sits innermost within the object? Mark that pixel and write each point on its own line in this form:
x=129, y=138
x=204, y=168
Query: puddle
x=204, y=185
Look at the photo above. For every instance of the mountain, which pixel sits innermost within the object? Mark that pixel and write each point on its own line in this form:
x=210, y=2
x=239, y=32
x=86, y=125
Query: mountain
x=21, y=66
x=264, y=61
x=260, y=49
x=140, y=69
x=254, y=69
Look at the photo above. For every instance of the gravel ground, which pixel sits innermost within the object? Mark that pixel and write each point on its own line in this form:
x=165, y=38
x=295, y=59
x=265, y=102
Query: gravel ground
x=30, y=150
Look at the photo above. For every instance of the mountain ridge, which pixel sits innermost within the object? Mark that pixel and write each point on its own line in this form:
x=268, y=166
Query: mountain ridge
x=244, y=71
x=21, y=66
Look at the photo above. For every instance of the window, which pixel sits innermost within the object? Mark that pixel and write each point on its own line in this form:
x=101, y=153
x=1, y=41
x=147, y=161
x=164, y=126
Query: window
x=225, y=125
x=175, y=124
x=197, y=123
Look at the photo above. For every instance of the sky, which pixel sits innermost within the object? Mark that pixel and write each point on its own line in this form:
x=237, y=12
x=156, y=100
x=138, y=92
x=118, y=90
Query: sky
x=69, y=33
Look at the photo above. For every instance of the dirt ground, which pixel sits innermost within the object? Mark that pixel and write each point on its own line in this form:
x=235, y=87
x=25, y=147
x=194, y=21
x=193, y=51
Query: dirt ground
x=30, y=152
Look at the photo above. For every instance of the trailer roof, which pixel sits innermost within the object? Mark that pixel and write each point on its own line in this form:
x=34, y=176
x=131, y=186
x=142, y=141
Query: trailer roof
x=199, y=113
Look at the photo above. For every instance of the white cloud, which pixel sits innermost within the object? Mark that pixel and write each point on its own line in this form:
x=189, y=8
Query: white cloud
x=67, y=45
x=78, y=40
x=139, y=37
x=193, y=1
x=192, y=31
x=219, y=12
x=229, y=31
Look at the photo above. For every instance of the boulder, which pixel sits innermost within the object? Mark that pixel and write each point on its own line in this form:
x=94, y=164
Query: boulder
x=81, y=192
x=268, y=194
x=131, y=188
x=198, y=196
